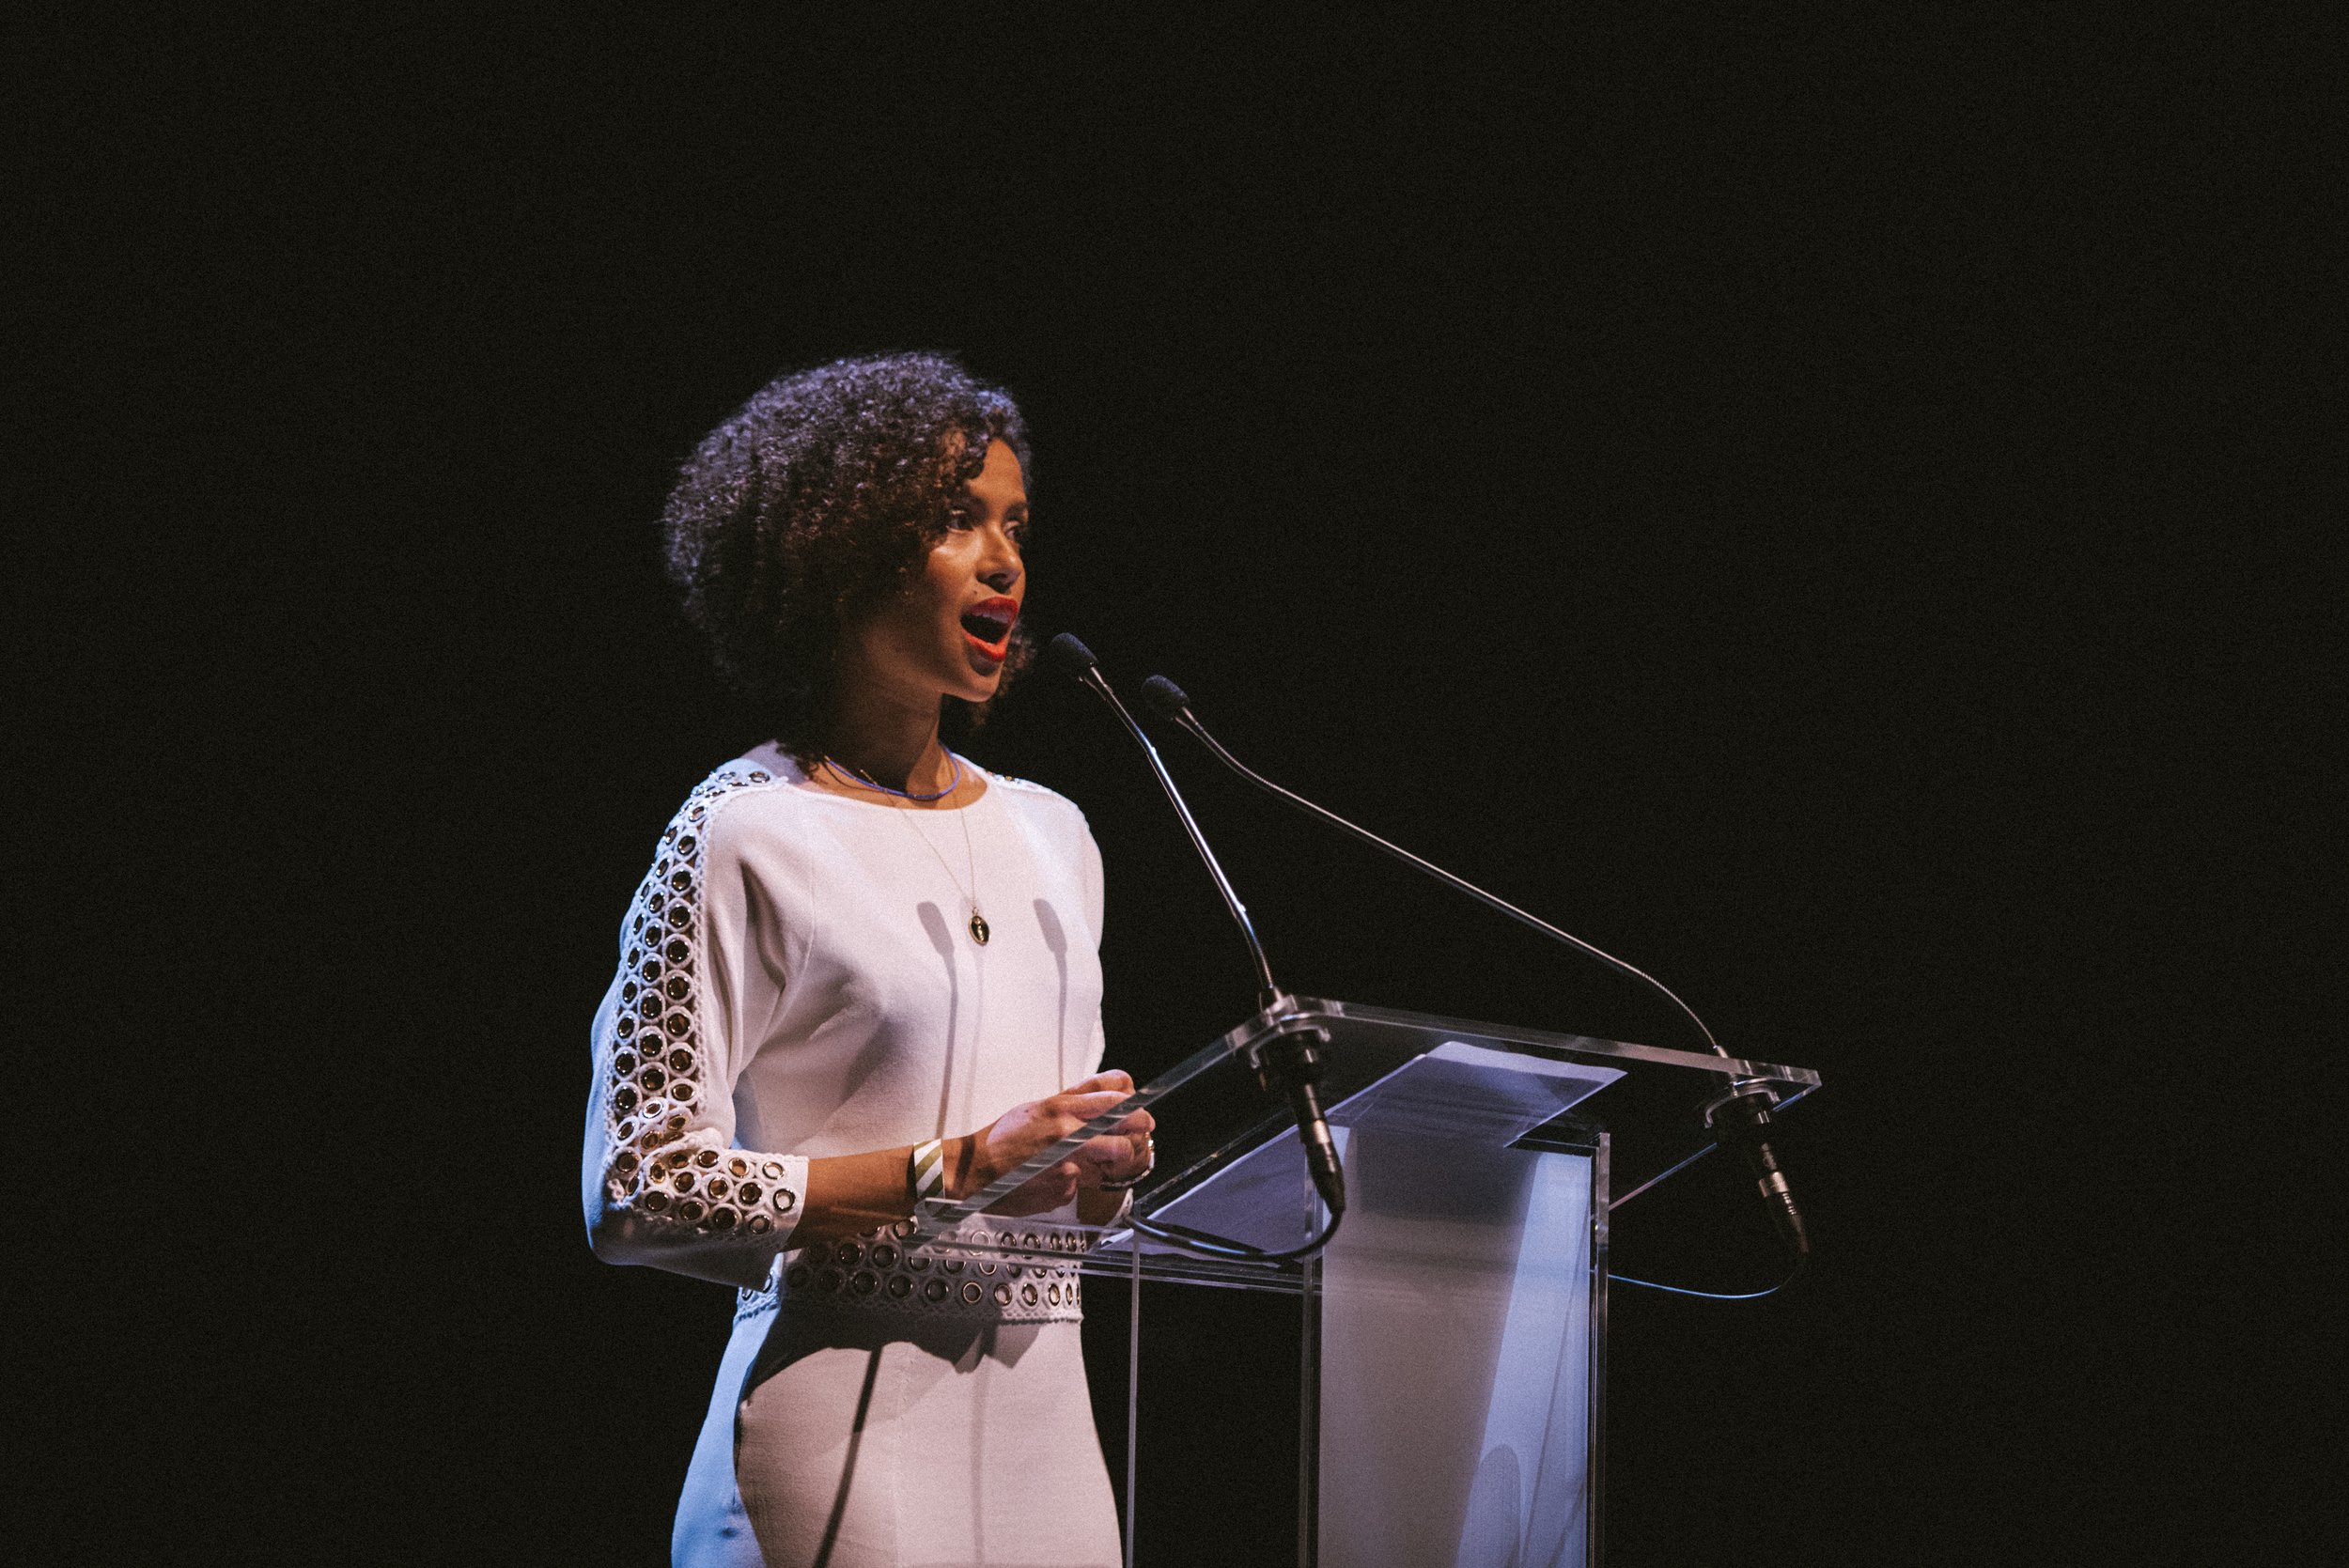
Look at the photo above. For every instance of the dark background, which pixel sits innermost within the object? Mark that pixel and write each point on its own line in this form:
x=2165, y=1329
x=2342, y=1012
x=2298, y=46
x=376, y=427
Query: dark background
x=1793, y=496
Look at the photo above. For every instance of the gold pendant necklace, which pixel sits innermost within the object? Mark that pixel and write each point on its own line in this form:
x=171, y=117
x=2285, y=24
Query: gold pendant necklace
x=977, y=925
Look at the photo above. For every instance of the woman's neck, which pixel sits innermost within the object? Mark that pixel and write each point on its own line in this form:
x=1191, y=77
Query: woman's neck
x=893, y=744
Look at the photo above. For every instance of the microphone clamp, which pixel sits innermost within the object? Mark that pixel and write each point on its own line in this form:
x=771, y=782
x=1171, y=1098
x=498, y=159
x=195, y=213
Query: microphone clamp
x=1289, y=1065
x=1740, y=1118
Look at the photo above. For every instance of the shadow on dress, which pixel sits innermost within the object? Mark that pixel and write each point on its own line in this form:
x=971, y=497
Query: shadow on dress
x=792, y=1336
x=942, y=943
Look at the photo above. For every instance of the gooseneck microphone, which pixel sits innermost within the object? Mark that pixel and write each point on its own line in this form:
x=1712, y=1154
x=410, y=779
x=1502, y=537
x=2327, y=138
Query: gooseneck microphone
x=1288, y=1064
x=1072, y=658
x=1736, y=1118
x=1170, y=702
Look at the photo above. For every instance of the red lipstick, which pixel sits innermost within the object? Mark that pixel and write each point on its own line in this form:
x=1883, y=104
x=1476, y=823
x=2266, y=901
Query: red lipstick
x=987, y=625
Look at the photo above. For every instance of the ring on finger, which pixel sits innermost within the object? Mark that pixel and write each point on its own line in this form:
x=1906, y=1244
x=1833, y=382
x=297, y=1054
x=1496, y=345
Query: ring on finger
x=1150, y=1160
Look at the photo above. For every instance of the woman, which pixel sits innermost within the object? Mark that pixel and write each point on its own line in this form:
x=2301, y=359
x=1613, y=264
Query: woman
x=862, y=968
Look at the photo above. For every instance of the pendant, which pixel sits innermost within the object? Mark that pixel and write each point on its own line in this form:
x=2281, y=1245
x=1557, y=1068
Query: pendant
x=978, y=927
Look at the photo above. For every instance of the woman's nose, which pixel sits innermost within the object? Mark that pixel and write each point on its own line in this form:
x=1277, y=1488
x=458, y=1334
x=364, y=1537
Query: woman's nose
x=999, y=567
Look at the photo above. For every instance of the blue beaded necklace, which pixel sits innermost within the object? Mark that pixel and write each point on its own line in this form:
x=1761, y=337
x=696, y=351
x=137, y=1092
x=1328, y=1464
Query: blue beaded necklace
x=857, y=777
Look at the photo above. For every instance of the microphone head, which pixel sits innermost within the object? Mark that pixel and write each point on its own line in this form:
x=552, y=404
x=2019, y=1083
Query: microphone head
x=1070, y=656
x=1165, y=697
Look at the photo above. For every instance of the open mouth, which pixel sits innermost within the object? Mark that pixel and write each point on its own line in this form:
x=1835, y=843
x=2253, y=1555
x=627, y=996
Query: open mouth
x=988, y=624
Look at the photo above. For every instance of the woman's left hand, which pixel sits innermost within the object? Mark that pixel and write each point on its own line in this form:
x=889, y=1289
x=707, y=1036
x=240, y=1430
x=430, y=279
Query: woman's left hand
x=978, y=1159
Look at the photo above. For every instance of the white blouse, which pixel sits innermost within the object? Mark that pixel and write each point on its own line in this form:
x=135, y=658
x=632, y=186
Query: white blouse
x=799, y=978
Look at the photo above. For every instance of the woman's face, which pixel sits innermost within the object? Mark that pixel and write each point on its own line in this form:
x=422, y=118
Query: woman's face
x=947, y=633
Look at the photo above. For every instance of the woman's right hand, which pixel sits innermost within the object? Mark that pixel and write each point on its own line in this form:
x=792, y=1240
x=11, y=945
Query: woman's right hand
x=1016, y=1137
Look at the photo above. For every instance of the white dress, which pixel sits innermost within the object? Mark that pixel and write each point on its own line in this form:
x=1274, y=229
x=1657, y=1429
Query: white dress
x=799, y=979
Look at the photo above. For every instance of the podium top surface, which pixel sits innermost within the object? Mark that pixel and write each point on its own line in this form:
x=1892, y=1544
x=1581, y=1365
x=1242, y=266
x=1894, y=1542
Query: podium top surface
x=1443, y=1078
x=1366, y=1021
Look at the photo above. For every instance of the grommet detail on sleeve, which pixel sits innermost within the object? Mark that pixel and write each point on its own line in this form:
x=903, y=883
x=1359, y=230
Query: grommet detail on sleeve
x=656, y=1166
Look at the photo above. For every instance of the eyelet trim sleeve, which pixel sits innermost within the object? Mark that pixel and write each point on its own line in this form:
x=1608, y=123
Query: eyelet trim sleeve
x=668, y=1190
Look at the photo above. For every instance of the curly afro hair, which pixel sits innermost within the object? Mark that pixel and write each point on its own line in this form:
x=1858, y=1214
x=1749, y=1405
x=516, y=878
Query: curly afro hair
x=812, y=504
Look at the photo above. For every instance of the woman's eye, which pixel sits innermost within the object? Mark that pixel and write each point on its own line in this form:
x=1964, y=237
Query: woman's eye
x=957, y=518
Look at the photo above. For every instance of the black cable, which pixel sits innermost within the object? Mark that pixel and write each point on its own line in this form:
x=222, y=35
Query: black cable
x=1203, y=1244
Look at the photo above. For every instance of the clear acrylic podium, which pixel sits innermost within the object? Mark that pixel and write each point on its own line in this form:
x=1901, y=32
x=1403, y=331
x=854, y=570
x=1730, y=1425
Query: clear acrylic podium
x=1454, y=1330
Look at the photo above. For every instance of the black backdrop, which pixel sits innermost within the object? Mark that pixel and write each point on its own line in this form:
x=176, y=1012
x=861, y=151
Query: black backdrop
x=1739, y=484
